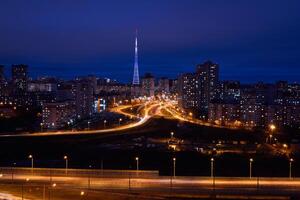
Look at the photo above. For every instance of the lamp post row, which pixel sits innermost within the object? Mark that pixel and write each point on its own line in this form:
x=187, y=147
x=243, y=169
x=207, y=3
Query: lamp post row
x=212, y=165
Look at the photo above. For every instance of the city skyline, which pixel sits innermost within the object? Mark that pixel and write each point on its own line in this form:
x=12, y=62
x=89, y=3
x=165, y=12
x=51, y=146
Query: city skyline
x=259, y=45
x=161, y=99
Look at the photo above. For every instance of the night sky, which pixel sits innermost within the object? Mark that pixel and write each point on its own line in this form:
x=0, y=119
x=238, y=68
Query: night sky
x=251, y=40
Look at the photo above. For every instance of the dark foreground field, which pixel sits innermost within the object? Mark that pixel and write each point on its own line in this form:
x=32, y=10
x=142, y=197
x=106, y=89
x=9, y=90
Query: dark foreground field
x=118, y=151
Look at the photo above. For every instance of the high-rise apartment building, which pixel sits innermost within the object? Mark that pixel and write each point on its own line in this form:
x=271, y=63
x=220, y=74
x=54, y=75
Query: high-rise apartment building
x=163, y=86
x=196, y=90
x=84, y=98
x=208, y=77
x=20, y=77
x=148, y=85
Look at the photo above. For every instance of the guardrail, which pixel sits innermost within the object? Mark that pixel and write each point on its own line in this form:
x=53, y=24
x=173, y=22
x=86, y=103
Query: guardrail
x=78, y=172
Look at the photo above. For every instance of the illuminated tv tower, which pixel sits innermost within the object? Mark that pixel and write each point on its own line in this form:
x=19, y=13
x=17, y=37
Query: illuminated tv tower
x=136, y=77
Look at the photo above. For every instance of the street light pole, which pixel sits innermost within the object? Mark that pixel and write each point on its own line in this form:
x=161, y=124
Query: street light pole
x=89, y=178
x=272, y=128
x=290, y=173
x=89, y=125
x=31, y=157
x=41, y=126
x=66, y=159
x=120, y=121
x=250, y=167
x=212, y=167
x=172, y=134
x=104, y=123
x=137, y=163
x=174, y=166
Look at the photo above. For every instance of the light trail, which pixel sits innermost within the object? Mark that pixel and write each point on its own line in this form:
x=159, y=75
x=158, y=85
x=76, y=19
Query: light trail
x=115, y=179
x=177, y=115
x=145, y=110
x=142, y=121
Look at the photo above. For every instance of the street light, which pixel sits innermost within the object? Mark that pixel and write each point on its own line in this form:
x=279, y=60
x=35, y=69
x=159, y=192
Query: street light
x=172, y=134
x=120, y=120
x=88, y=125
x=291, y=161
x=31, y=157
x=104, y=123
x=212, y=167
x=250, y=167
x=41, y=125
x=270, y=136
x=272, y=127
x=137, y=163
x=174, y=166
x=66, y=159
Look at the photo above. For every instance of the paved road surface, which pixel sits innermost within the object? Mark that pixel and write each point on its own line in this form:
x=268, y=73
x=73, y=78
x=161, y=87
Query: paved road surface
x=145, y=180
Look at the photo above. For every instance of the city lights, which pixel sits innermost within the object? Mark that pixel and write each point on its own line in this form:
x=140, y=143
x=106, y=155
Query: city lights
x=149, y=100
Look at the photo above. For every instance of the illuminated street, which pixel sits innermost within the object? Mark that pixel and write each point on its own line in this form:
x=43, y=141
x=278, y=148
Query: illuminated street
x=150, y=100
x=147, y=114
x=149, y=109
x=146, y=182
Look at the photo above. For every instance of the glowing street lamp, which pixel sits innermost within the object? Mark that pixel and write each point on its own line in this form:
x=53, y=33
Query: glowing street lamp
x=120, y=120
x=172, y=134
x=291, y=161
x=174, y=166
x=250, y=167
x=41, y=125
x=272, y=127
x=212, y=167
x=31, y=157
x=88, y=125
x=104, y=123
x=66, y=163
x=270, y=138
x=137, y=163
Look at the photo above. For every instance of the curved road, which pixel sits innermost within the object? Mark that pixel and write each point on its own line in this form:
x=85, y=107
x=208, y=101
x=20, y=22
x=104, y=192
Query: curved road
x=148, y=113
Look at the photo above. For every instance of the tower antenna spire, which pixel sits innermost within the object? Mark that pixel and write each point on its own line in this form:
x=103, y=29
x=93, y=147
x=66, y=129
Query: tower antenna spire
x=136, y=77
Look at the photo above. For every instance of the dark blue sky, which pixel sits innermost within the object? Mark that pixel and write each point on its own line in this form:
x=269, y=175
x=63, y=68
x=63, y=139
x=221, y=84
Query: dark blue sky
x=251, y=40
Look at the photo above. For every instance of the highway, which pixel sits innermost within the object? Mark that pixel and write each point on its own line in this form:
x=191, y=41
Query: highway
x=148, y=112
x=148, y=181
x=182, y=117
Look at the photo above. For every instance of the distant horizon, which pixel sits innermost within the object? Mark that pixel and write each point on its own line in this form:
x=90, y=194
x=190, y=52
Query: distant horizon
x=36, y=72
